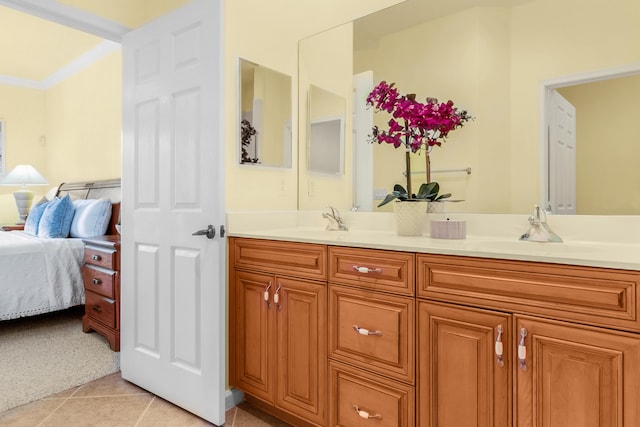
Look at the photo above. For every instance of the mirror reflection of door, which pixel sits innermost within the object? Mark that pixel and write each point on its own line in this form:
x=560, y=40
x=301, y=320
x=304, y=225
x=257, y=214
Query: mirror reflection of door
x=265, y=116
x=326, y=131
x=562, y=155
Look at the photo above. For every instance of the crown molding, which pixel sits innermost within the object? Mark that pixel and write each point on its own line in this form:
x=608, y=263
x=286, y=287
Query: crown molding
x=71, y=17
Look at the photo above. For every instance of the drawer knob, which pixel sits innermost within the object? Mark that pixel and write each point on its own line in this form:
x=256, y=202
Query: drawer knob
x=96, y=308
x=96, y=257
x=367, y=269
x=364, y=414
x=96, y=281
x=363, y=331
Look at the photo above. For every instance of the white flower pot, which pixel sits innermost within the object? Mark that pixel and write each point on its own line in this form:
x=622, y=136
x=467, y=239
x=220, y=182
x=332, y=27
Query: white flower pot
x=410, y=217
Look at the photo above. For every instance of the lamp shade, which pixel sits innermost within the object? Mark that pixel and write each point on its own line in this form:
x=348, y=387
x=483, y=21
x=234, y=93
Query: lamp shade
x=23, y=175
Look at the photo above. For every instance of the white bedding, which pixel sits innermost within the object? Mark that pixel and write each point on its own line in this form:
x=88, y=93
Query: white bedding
x=39, y=275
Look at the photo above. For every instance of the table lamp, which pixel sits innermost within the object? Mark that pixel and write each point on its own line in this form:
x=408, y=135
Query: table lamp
x=23, y=176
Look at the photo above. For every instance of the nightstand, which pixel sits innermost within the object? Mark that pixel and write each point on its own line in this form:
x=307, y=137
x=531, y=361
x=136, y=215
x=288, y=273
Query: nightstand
x=12, y=227
x=101, y=276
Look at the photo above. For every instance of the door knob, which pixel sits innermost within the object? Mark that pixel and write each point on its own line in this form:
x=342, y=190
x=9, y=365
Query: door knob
x=210, y=232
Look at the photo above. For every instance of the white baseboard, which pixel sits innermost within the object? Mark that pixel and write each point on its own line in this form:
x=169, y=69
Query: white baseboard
x=232, y=397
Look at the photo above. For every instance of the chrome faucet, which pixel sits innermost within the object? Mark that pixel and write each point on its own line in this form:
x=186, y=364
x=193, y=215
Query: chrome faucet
x=335, y=220
x=539, y=230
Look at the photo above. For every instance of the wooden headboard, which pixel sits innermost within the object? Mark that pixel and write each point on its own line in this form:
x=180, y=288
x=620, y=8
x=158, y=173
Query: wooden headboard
x=106, y=188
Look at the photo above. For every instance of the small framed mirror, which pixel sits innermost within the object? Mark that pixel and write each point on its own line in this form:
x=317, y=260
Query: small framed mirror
x=265, y=116
x=326, y=132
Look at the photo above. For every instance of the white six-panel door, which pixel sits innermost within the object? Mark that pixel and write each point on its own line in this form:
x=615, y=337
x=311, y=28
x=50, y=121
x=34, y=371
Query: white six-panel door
x=173, y=282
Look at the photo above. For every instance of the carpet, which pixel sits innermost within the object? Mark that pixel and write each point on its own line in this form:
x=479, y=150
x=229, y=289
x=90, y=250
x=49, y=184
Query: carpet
x=46, y=354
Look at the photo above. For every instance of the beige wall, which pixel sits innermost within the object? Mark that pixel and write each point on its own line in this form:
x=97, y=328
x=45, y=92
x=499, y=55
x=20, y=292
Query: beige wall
x=130, y=13
x=23, y=111
x=83, y=121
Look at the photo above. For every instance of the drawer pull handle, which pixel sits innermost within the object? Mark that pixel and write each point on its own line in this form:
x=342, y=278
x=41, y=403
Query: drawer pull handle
x=365, y=414
x=363, y=331
x=96, y=257
x=96, y=308
x=96, y=281
x=266, y=295
x=522, y=350
x=367, y=269
x=499, y=349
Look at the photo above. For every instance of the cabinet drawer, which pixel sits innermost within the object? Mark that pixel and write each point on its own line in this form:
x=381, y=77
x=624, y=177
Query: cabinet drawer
x=387, y=403
x=101, y=257
x=373, y=269
x=596, y=296
x=372, y=330
x=300, y=259
x=101, y=308
x=99, y=281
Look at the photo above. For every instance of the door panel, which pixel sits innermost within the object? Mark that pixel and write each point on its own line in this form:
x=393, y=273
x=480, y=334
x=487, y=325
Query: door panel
x=254, y=343
x=577, y=376
x=173, y=293
x=461, y=382
x=562, y=155
x=302, y=348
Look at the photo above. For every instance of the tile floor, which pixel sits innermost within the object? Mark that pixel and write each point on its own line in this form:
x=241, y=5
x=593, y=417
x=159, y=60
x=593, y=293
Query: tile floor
x=114, y=402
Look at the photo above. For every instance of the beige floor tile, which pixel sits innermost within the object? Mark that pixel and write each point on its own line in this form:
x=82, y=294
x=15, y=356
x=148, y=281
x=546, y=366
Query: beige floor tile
x=113, y=411
x=249, y=416
x=63, y=394
x=29, y=415
x=111, y=385
x=162, y=413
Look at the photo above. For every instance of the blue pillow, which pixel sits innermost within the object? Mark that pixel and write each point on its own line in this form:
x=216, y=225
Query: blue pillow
x=31, y=225
x=56, y=219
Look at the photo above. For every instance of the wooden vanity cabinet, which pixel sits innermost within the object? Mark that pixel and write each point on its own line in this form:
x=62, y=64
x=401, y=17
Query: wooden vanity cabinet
x=278, y=350
x=565, y=371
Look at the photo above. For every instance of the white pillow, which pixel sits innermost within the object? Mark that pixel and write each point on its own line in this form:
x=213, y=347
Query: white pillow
x=91, y=218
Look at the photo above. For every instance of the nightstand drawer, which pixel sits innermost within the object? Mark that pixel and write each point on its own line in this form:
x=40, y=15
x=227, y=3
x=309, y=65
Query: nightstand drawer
x=372, y=330
x=381, y=270
x=100, y=281
x=101, y=257
x=101, y=308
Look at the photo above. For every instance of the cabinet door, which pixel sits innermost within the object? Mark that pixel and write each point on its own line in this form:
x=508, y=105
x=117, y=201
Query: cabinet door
x=254, y=339
x=462, y=382
x=576, y=376
x=302, y=348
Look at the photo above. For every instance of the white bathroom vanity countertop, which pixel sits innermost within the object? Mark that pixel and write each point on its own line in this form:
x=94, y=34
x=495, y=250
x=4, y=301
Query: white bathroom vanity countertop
x=610, y=242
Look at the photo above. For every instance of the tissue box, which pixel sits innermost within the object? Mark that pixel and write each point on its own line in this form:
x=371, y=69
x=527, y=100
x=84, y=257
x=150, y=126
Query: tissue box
x=448, y=229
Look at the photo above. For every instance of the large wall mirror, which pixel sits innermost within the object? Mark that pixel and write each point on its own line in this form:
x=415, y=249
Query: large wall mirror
x=493, y=58
x=325, y=135
x=265, y=116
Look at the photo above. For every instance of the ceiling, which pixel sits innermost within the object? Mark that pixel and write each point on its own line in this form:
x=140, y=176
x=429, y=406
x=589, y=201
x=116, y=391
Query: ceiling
x=33, y=48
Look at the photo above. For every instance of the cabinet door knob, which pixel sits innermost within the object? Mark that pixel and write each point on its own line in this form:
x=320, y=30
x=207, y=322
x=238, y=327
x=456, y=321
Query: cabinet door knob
x=266, y=295
x=522, y=350
x=498, y=346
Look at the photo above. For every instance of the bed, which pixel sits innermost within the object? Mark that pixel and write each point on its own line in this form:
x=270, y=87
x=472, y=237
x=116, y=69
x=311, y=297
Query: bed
x=39, y=274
